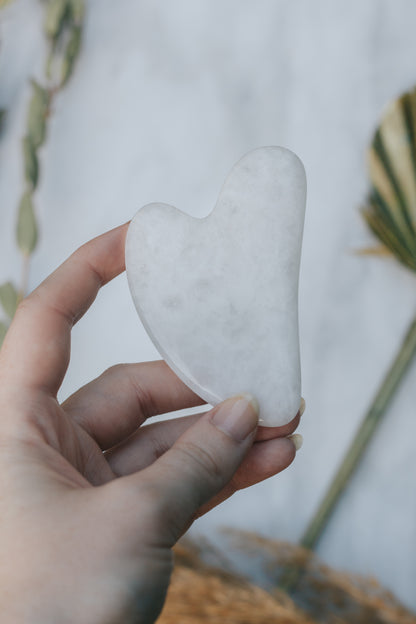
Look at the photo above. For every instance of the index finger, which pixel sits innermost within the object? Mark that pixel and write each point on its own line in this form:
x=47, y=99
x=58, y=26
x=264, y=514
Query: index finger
x=37, y=346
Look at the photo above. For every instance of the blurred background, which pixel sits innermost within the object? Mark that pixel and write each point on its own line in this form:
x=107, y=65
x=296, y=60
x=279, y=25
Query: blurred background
x=164, y=98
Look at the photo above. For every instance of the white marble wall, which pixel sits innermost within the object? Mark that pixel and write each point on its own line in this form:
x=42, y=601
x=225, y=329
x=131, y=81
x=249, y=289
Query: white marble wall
x=166, y=97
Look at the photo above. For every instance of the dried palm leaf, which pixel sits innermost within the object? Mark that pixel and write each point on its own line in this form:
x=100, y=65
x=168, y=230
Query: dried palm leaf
x=391, y=207
x=391, y=214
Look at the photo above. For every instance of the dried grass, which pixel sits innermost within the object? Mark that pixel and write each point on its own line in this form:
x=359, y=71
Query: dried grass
x=210, y=593
x=200, y=593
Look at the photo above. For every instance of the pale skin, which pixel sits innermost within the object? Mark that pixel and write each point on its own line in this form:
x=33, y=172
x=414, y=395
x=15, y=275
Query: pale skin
x=92, y=497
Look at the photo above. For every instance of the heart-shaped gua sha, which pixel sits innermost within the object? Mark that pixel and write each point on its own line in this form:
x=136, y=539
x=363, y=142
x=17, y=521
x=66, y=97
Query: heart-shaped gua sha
x=218, y=296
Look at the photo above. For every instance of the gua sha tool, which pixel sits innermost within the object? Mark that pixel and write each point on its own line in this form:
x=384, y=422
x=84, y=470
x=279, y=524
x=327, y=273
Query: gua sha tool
x=218, y=296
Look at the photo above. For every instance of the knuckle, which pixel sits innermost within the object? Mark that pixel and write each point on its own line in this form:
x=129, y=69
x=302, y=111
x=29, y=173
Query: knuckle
x=130, y=375
x=25, y=305
x=40, y=301
x=115, y=370
x=159, y=445
x=204, y=459
x=144, y=398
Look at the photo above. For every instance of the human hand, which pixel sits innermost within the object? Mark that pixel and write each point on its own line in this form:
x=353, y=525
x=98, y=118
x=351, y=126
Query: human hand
x=91, y=501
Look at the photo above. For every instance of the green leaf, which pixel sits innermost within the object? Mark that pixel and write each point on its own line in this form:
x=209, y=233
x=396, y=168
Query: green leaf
x=56, y=14
x=27, y=231
x=9, y=298
x=3, y=331
x=77, y=10
x=38, y=110
x=31, y=162
x=71, y=54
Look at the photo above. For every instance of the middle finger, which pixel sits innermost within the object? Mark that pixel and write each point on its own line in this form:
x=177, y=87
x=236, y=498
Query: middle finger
x=111, y=407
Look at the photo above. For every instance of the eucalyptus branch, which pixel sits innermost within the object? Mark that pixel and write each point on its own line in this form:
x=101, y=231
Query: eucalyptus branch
x=63, y=28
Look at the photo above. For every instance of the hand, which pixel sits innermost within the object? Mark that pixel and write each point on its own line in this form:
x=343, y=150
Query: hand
x=91, y=501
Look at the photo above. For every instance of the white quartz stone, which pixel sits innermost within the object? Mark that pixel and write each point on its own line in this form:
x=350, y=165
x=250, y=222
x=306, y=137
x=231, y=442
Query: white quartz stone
x=218, y=295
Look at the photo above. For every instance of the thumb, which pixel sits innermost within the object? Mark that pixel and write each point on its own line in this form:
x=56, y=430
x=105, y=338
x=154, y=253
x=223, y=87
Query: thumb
x=202, y=462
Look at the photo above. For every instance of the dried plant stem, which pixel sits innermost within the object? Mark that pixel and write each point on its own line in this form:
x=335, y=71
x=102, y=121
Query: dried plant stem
x=371, y=420
x=362, y=438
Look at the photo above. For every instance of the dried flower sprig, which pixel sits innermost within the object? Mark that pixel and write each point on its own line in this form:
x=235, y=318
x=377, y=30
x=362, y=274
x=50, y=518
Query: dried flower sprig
x=391, y=214
x=63, y=29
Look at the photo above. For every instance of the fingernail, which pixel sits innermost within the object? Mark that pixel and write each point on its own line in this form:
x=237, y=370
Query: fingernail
x=302, y=406
x=297, y=440
x=237, y=417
